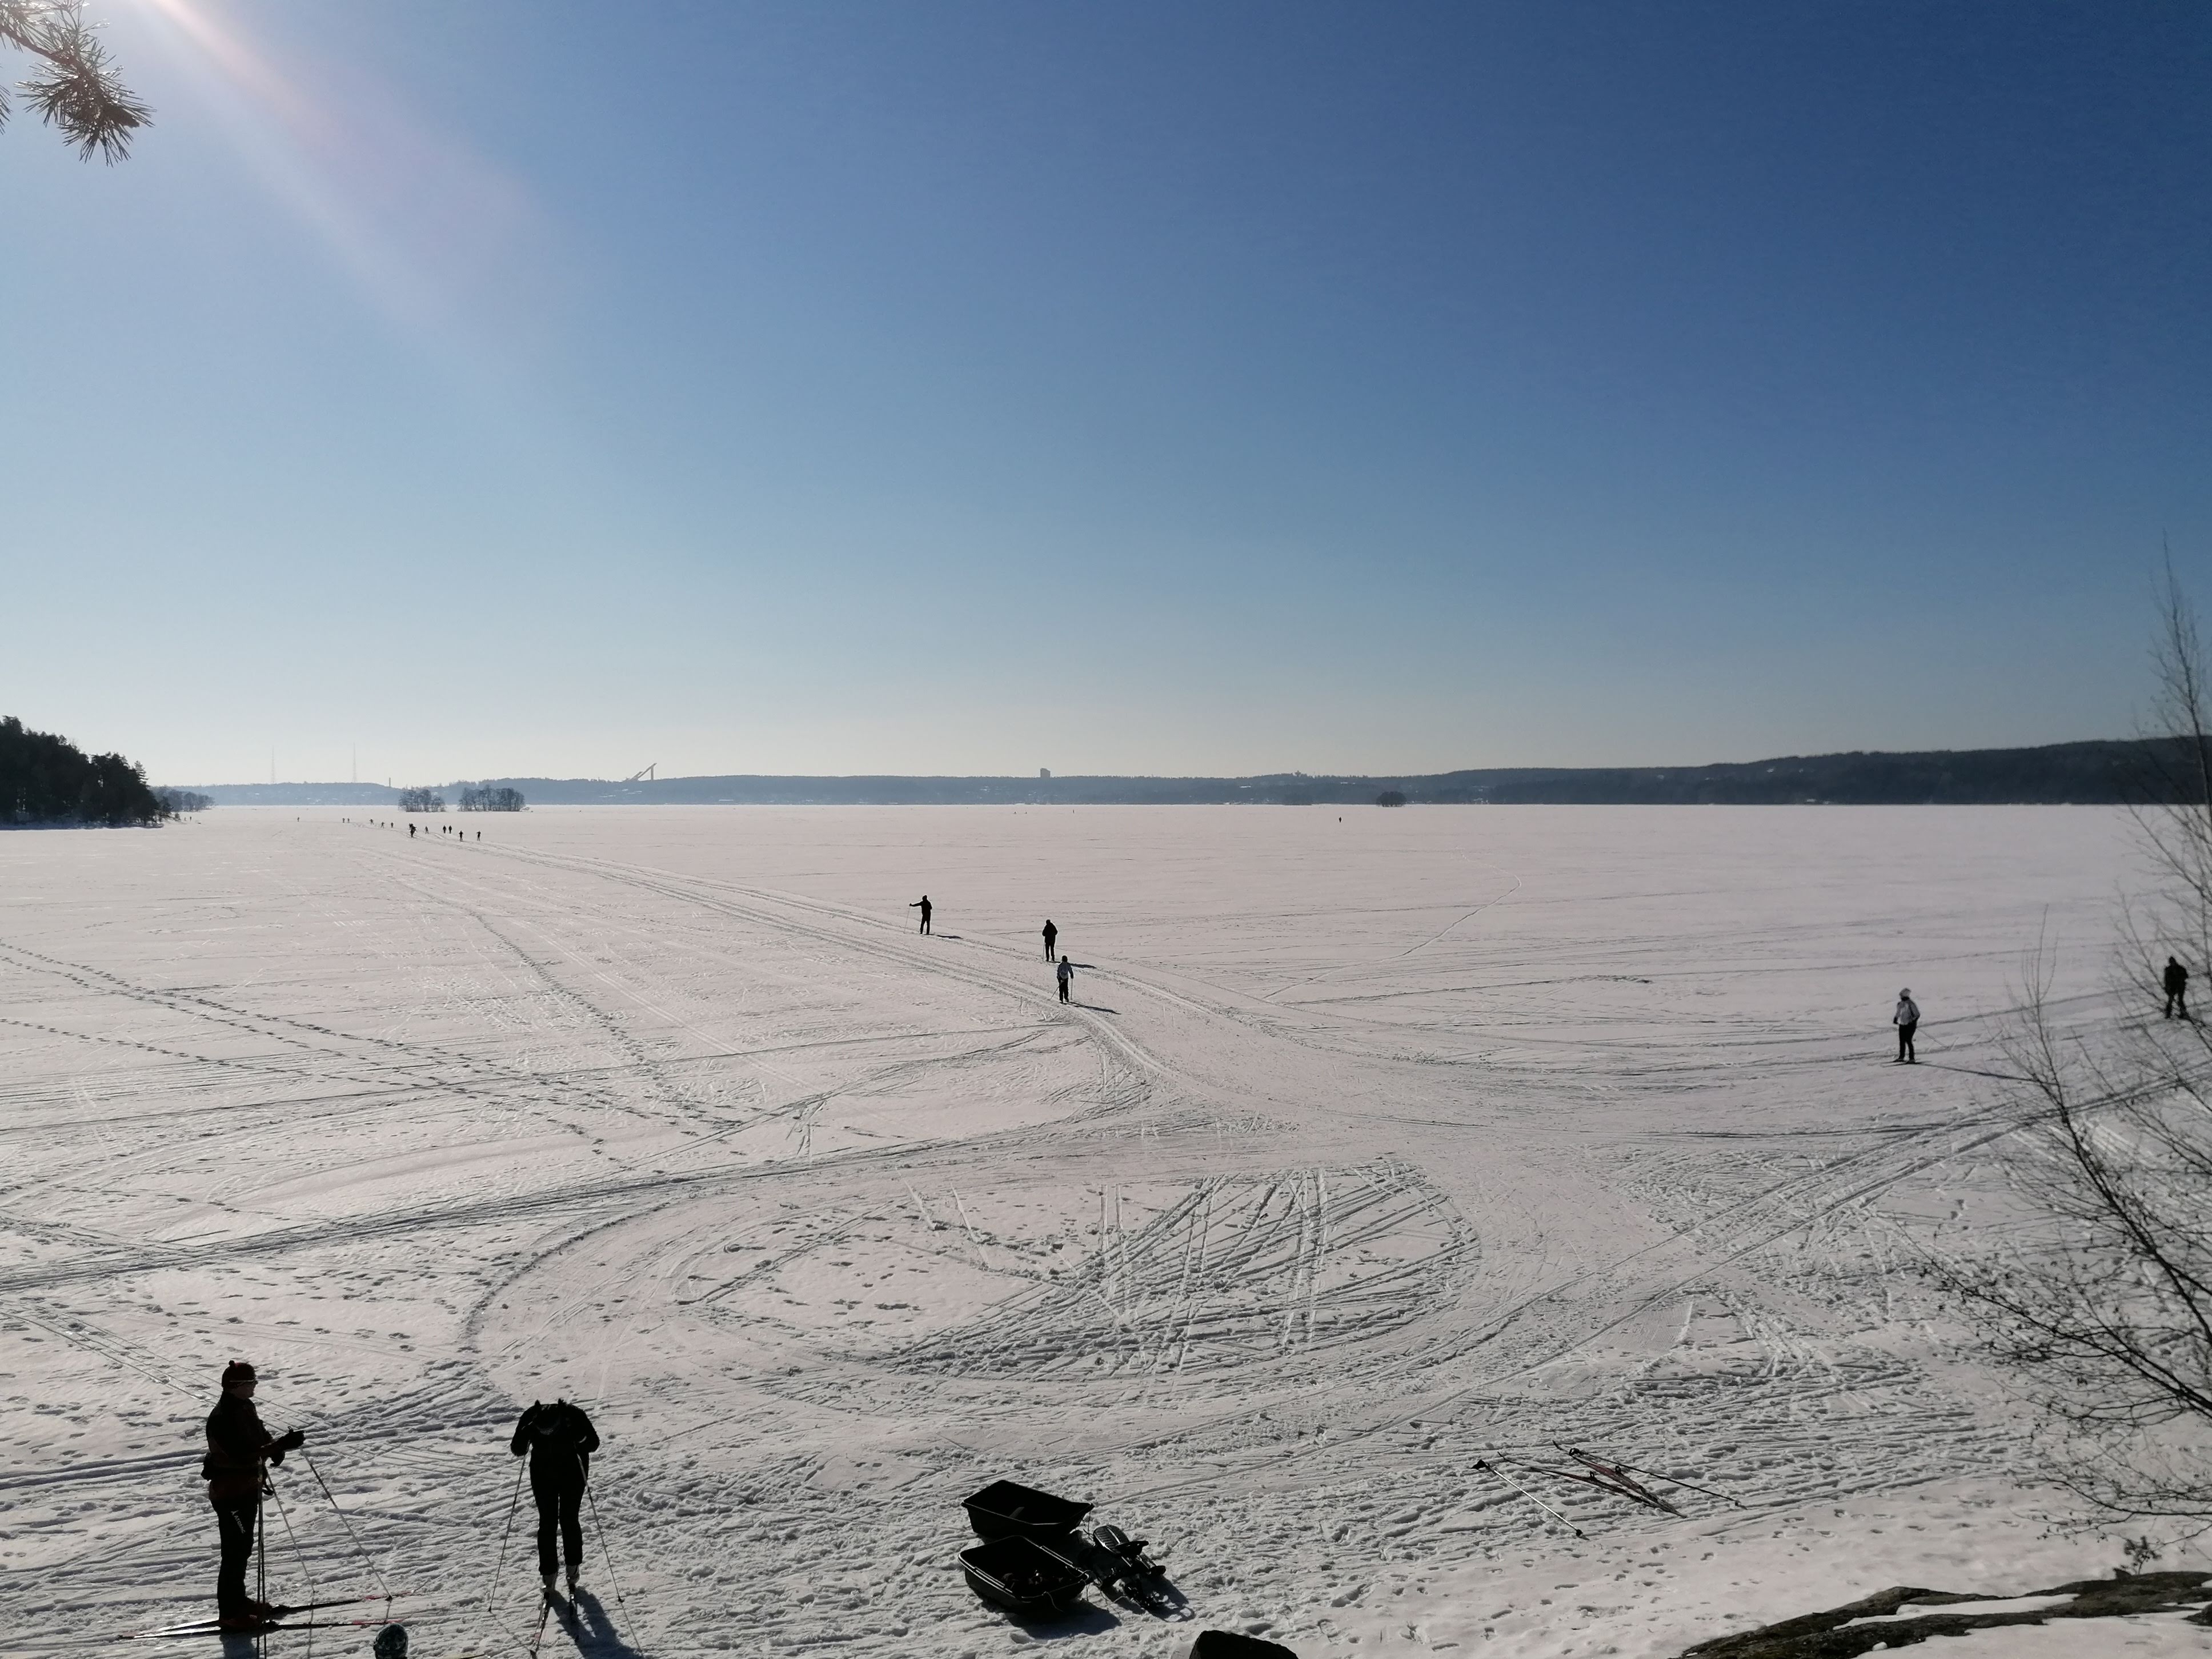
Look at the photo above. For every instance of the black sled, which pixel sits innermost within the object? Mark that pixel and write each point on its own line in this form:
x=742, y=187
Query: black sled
x=1023, y=1576
x=1227, y=1645
x=1006, y=1510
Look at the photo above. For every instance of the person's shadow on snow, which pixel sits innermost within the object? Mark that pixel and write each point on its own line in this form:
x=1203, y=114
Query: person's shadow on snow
x=593, y=1631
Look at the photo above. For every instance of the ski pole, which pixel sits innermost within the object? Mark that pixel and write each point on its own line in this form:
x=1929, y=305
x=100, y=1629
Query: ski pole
x=1480, y=1464
x=491, y=1596
x=1668, y=1479
x=350, y=1533
x=306, y=1576
x=606, y=1555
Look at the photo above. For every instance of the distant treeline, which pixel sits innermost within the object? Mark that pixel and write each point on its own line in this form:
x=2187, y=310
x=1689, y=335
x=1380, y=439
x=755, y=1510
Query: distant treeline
x=2081, y=773
x=44, y=778
x=185, y=800
x=475, y=798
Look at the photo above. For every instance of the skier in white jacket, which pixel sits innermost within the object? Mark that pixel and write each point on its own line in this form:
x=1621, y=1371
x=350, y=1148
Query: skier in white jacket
x=1907, y=1020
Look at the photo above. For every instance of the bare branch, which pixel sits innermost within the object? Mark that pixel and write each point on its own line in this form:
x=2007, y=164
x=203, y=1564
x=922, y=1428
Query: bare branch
x=2104, y=1304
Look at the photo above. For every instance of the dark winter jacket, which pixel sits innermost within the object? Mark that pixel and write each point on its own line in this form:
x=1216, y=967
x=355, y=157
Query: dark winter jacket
x=236, y=1445
x=560, y=1439
x=2176, y=977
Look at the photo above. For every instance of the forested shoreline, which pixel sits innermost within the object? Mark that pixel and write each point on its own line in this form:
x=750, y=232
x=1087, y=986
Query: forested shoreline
x=47, y=780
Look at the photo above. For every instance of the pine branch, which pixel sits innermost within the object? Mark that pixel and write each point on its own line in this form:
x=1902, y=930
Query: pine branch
x=75, y=86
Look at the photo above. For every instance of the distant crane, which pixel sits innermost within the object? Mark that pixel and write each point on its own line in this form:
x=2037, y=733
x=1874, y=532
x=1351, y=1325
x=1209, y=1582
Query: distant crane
x=646, y=775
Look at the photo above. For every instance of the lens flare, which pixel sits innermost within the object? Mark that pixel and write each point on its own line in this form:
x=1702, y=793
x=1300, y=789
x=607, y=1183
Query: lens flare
x=429, y=228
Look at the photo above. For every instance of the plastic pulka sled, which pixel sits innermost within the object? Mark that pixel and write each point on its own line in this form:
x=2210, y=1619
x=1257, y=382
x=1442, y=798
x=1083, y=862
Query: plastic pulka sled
x=1023, y=1576
x=1006, y=1509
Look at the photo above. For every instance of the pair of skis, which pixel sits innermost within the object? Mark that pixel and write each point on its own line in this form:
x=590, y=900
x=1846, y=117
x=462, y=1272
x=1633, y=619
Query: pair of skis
x=279, y=1618
x=552, y=1599
x=1133, y=1573
x=1612, y=1476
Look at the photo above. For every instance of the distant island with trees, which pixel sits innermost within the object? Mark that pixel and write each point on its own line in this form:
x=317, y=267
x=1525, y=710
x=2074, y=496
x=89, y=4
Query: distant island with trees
x=2095, y=774
x=48, y=780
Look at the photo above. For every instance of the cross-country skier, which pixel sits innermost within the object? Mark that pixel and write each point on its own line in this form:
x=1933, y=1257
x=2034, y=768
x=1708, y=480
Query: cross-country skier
x=560, y=1440
x=239, y=1451
x=1907, y=1020
x=922, y=905
x=2177, y=989
x=1067, y=975
x=1051, y=935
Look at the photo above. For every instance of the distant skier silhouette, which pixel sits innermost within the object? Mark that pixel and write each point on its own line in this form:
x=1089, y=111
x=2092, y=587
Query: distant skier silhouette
x=2177, y=989
x=922, y=905
x=560, y=1441
x=1051, y=934
x=1067, y=975
x=1907, y=1021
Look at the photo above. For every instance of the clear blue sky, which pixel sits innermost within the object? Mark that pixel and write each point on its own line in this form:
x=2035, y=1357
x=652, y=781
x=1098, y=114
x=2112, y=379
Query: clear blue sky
x=523, y=386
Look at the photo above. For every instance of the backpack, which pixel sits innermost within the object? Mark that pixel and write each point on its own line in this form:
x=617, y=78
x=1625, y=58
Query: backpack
x=558, y=1427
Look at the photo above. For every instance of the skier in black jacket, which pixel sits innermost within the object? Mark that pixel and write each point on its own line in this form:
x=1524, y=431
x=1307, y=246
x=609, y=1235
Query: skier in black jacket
x=2176, y=981
x=239, y=1451
x=560, y=1440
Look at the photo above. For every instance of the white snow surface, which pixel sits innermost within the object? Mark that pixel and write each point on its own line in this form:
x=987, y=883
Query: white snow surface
x=1376, y=1143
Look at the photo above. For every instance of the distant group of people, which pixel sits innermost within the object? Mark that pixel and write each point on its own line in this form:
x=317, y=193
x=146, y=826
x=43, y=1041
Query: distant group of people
x=557, y=1438
x=1063, y=971
x=448, y=830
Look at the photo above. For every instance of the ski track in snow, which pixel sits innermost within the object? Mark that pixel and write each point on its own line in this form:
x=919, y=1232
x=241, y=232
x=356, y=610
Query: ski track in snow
x=1374, y=1150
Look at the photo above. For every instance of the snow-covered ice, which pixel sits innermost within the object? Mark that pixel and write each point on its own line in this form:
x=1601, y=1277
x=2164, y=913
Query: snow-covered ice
x=1375, y=1144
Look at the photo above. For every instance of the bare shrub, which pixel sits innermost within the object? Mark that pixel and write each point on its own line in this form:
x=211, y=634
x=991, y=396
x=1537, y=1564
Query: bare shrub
x=2104, y=1301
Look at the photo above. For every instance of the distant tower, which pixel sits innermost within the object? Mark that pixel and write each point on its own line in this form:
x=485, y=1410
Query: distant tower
x=1044, y=772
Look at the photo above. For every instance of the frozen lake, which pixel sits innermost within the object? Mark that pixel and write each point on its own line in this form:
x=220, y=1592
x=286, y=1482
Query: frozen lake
x=1372, y=1145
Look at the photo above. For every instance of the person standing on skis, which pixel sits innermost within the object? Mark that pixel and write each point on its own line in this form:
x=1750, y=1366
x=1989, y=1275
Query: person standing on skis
x=1051, y=938
x=922, y=905
x=560, y=1441
x=1066, y=977
x=2176, y=981
x=239, y=1452
x=1907, y=1021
